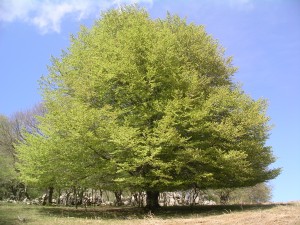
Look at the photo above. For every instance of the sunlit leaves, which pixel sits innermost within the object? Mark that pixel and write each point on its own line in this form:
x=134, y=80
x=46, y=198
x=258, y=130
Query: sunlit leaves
x=140, y=103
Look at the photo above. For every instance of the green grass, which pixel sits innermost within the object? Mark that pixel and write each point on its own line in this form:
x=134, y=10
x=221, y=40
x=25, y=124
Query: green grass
x=10, y=213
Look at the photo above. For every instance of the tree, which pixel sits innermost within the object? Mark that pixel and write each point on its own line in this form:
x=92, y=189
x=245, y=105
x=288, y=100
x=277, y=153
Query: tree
x=257, y=194
x=8, y=175
x=148, y=105
x=10, y=134
x=7, y=137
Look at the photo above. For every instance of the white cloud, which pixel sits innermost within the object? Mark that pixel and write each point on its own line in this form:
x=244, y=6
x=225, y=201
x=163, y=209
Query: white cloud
x=47, y=15
x=11, y=10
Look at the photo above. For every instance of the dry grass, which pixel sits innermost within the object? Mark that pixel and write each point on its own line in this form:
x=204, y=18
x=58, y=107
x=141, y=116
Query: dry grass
x=279, y=214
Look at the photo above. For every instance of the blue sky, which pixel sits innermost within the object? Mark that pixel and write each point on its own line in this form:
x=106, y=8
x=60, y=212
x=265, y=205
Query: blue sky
x=262, y=35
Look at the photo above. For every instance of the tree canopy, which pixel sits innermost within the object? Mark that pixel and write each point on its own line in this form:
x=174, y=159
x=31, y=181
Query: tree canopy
x=148, y=105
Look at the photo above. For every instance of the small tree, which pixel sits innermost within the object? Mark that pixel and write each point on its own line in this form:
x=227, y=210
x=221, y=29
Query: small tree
x=148, y=105
x=257, y=194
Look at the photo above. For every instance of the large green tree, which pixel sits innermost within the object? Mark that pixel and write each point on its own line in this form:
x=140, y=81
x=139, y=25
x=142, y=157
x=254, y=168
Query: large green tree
x=147, y=105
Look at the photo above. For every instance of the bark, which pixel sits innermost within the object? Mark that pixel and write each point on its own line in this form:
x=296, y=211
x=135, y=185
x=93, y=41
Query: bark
x=81, y=197
x=75, y=195
x=50, y=195
x=44, y=199
x=67, y=198
x=152, y=200
x=101, y=195
x=118, y=195
x=14, y=192
x=26, y=193
x=58, y=198
x=224, y=196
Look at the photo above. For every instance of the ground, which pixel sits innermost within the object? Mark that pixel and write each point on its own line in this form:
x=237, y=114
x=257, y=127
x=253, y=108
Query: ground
x=265, y=214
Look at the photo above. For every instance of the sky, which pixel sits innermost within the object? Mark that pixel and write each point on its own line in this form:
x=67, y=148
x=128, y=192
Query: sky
x=263, y=36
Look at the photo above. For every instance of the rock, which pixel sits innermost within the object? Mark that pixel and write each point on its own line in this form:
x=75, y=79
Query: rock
x=21, y=219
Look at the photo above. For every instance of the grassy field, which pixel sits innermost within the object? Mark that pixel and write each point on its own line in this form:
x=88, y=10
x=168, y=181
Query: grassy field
x=281, y=214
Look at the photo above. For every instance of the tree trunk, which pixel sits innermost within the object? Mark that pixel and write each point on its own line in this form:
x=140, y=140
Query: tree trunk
x=26, y=193
x=67, y=198
x=50, y=194
x=118, y=195
x=58, y=198
x=81, y=192
x=14, y=192
x=101, y=196
x=44, y=199
x=152, y=200
x=75, y=196
x=224, y=196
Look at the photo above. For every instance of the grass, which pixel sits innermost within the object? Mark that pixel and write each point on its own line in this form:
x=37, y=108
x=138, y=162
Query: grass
x=15, y=214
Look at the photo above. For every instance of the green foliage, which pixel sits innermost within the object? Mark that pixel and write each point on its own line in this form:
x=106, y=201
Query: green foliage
x=7, y=172
x=259, y=193
x=11, y=134
x=146, y=105
x=8, y=175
